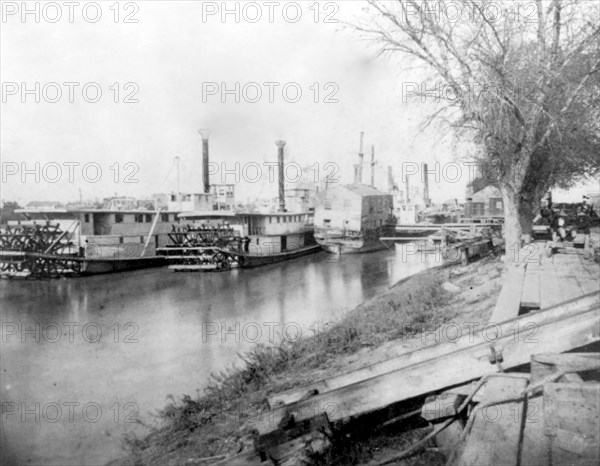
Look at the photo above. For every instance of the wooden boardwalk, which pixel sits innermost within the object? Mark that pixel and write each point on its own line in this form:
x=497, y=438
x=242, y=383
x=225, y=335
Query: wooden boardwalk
x=536, y=282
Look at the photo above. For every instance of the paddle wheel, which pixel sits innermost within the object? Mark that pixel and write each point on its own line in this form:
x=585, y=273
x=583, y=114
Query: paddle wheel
x=202, y=247
x=38, y=250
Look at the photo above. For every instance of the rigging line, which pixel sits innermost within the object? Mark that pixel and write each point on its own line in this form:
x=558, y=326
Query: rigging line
x=166, y=176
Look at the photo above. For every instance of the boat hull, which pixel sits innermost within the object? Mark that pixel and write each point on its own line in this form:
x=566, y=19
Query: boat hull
x=249, y=260
x=240, y=260
x=102, y=266
x=338, y=243
x=31, y=264
x=350, y=247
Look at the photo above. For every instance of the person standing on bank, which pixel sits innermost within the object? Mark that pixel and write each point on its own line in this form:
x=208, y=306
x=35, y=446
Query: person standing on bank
x=587, y=208
x=583, y=227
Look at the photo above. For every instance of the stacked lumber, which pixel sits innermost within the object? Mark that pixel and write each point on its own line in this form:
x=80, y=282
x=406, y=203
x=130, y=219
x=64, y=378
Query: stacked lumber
x=550, y=416
x=300, y=420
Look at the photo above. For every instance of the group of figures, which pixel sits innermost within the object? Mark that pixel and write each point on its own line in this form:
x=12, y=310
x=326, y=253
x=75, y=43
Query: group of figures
x=566, y=226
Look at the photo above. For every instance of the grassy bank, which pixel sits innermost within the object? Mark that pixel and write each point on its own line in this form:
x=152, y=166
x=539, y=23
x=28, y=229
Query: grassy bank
x=203, y=428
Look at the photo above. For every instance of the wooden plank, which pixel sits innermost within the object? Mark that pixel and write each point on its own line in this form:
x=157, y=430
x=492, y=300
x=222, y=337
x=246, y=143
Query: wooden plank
x=405, y=359
x=533, y=252
x=408, y=239
x=551, y=292
x=589, y=277
x=299, y=450
x=293, y=429
x=535, y=450
x=495, y=434
x=576, y=362
x=530, y=295
x=509, y=300
x=441, y=406
x=449, y=439
x=572, y=421
x=592, y=268
x=448, y=369
x=246, y=458
x=567, y=268
x=536, y=444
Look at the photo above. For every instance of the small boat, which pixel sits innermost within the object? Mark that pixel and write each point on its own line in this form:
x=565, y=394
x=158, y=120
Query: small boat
x=340, y=241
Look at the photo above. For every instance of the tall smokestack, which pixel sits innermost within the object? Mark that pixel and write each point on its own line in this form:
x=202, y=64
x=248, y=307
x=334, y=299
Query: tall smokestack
x=280, y=145
x=407, y=190
x=425, y=185
x=361, y=156
x=205, y=133
x=390, y=179
x=372, y=166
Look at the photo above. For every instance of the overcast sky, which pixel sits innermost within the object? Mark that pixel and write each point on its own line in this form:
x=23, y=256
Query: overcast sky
x=170, y=54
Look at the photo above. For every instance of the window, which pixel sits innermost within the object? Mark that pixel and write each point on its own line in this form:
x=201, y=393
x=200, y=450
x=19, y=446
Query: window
x=118, y=218
x=139, y=218
x=164, y=217
x=478, y=209
x=278, y=219
x=148, y=218
x=270, y=219
x=87, y=218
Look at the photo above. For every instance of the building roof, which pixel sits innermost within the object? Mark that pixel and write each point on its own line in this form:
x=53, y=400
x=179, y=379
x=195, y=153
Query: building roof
x=486, y=193
x=272, y=214
x=364, y=190
x=208, y=214
x=452, y=201
x=93, y=211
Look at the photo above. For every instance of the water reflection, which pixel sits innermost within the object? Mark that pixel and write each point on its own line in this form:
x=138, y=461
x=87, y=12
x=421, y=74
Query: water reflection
x=151, y=343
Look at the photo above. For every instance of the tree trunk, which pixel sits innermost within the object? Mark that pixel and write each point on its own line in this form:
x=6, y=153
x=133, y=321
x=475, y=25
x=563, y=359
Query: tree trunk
x=526, y=215
x=512, y=225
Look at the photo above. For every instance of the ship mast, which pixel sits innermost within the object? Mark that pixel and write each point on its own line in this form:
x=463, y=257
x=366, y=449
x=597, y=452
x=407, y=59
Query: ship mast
x=361, y=156
x=178, y=191
x=359, y=166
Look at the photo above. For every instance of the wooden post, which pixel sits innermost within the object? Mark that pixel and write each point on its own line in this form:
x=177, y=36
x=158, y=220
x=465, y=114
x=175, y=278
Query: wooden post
x=150, y=234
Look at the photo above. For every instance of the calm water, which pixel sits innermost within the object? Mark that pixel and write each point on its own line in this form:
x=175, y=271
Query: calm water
x=111, y=348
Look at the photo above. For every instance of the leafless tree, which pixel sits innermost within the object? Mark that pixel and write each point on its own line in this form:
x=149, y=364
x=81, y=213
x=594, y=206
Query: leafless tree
x=519, y=78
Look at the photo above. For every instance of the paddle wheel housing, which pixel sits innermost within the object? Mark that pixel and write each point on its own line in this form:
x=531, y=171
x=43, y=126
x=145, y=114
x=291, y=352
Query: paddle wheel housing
x=38, y=250
x=202, y=247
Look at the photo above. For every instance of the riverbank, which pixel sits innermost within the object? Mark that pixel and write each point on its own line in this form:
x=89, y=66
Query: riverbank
x=412, y=313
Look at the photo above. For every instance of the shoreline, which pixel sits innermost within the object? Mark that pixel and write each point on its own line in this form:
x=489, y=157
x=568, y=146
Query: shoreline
x=412, y=313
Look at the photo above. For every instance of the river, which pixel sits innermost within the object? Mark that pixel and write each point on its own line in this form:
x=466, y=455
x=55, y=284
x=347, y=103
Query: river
x=82, y=358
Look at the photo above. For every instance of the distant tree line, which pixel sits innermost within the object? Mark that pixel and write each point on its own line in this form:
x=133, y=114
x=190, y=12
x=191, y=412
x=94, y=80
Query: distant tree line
x=7, y=212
